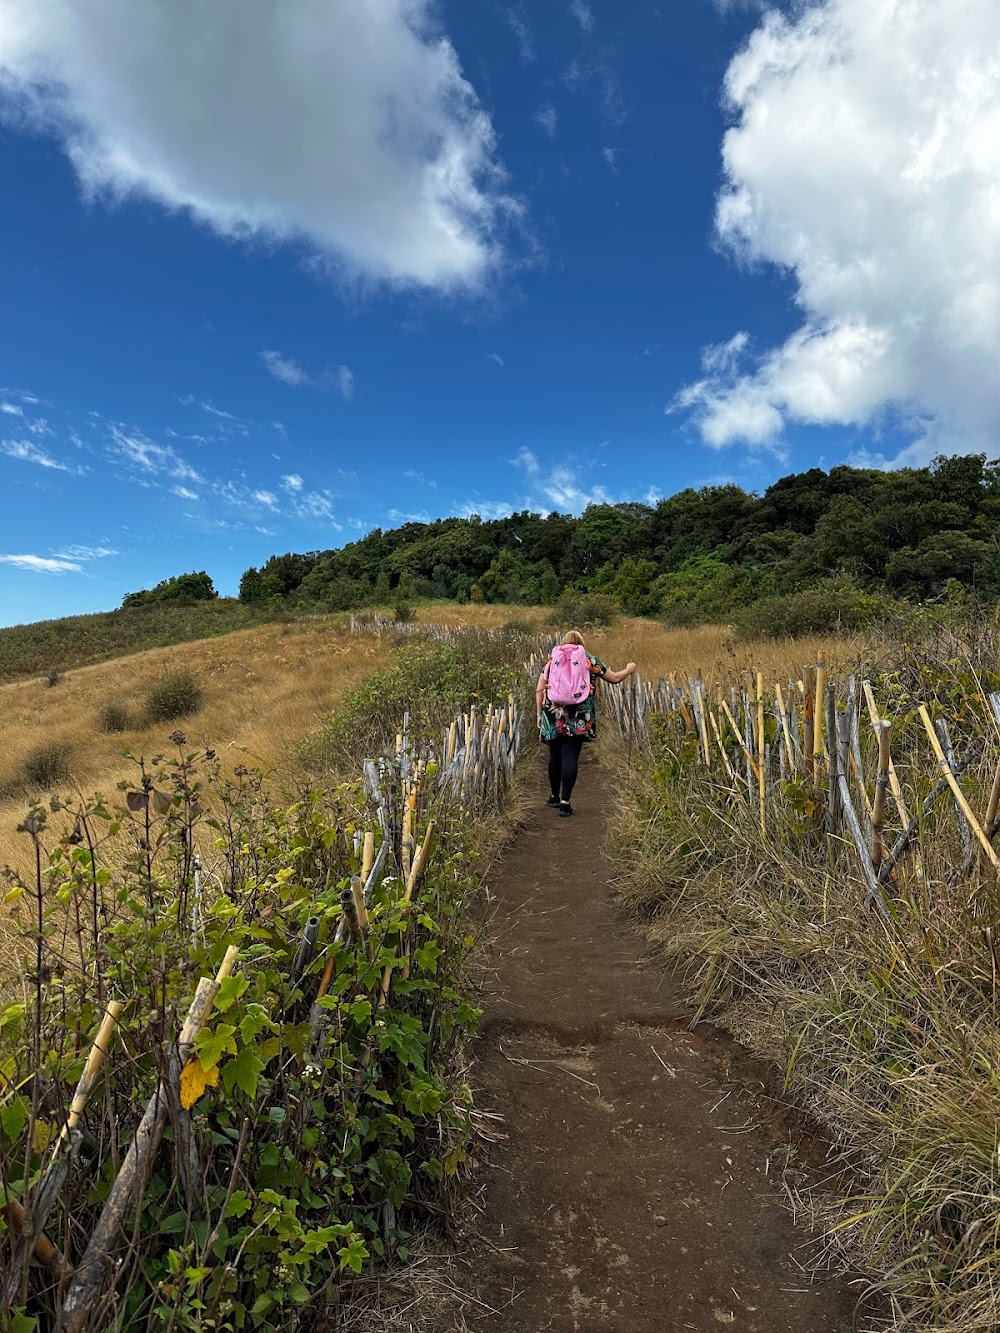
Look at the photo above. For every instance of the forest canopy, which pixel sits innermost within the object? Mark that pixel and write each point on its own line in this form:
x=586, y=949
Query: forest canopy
x=701, y=555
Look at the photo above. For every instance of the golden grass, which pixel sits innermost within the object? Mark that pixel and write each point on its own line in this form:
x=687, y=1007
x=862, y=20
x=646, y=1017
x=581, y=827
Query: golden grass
x=265, y=689
x=709, y=651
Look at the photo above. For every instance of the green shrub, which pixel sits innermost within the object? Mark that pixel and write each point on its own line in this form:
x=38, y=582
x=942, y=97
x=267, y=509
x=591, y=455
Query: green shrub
x=48, y=764
x=177, y=695
x=404, y=612
x=54, y=678
x=114, y=717
x=829, y=608
x=576, y=609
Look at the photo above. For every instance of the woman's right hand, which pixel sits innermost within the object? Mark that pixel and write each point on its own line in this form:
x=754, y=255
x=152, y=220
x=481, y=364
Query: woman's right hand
x=630, y=670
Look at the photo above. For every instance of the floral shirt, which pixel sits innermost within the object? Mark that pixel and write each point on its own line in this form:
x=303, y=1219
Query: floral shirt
x=574, y=719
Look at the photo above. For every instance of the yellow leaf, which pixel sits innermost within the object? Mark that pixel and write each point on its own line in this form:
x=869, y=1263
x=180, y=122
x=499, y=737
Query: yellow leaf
x=195, y=1078
x=42, y=1136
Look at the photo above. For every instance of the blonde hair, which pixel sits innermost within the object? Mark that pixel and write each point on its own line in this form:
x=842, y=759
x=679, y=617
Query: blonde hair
x=574, y=636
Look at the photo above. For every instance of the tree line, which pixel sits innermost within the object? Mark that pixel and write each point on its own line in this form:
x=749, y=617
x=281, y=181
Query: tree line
x=700, y=555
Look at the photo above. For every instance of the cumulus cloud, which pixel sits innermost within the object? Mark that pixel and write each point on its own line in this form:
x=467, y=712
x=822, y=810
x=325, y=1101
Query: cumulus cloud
x=346, y=128
x=40, y=564
x=863, y=161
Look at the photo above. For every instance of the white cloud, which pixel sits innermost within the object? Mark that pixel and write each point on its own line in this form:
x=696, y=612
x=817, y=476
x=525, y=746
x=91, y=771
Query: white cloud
x=610, y=156
x=143, y=453
x=284, y=368
x=398, y=517
x=12, y=410
x=583, y=14
x=27, y=452
x=527, y=461
x=346, y=128
x=485, y=509
x=85, y=552
x=40, y=564
x=547, y=117
x=184, y=493
x=266, y=499
x=411, y=475
x=288, y=370
x=863, y=161
x=517, y=21
x=495, y=357
x=344, y=379
x=292, y=483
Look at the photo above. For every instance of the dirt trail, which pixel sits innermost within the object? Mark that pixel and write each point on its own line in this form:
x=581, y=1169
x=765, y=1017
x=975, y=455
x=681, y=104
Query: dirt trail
x=636, y=1191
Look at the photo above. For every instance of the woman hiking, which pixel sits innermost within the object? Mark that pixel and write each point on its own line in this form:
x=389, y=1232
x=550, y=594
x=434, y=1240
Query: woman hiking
x=566, y=699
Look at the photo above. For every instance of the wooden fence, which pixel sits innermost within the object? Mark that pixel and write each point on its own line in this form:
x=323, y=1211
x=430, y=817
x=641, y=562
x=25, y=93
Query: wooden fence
x=827, y=742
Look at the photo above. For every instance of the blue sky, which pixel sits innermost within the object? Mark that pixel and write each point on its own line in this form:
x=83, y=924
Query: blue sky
x=268, y=288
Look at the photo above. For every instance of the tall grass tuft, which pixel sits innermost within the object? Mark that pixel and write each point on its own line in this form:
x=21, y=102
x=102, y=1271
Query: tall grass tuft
x=114, y=717
x=176, y=695
x=48, y=764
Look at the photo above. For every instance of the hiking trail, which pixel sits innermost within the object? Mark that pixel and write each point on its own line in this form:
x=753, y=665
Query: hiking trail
x=637, y=1189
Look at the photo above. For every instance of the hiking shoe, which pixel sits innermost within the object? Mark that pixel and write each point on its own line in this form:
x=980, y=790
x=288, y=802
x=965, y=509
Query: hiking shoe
x=565, y=809
x=553, y=801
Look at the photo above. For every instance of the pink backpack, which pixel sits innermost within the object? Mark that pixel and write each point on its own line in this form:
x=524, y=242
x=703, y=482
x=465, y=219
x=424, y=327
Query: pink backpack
x=568, y=674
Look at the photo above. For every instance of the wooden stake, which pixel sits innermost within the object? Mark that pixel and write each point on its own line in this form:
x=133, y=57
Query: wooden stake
x=761, y=771
x=956, y=790
x=818, y=713
x=367, y=857
x=808, y=720
x=881, y=783
x=785, y=731
x=88, y=1283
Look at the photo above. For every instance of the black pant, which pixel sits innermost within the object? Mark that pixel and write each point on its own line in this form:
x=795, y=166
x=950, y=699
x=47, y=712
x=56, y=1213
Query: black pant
x=564, y=759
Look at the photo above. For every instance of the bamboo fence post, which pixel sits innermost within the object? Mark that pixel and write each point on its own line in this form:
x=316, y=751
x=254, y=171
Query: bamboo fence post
x=88, y=1282
x=66, y=1148
x=838, y=768
x=818, y=714
x=722, y=748
x=947, y=769
x=785, y=730
x=989, y=824
x=912, y=826
x=833, y=802
x=894, y=787
x=881, y=783
x=808, y=721
x=761, y=770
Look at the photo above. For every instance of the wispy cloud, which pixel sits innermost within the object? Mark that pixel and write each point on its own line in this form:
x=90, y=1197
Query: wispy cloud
x=266, y=498
x=184, y=493
x=495, y=357
x=412, y=475
x=12, y=409
x=292, y=483
x=290, y=372
x=284, y=368
x=149, y=457
x=485, y=509
x=518, y=23
x=583, y=14
x=40, y=564
x=547, y=117
x=85, y=553
x=610, y=156
x=399, y=517
x=25, y=451
x=527, y=461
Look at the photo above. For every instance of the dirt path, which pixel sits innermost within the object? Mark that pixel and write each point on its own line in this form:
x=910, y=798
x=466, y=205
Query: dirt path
x=637, y=1189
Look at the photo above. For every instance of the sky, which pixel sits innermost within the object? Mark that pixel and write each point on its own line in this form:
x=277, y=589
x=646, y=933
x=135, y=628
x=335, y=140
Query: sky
x=277, y=273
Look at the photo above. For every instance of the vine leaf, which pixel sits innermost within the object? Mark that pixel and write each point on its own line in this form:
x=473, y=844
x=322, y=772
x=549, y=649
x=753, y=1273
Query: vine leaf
x=195, y=1078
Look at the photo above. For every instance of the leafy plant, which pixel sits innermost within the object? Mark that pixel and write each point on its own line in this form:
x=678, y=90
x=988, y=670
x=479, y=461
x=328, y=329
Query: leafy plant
x=53, y=678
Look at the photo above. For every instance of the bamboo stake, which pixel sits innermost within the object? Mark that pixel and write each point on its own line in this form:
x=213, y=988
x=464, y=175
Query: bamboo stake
x=360, y=909
x=722, y=748
x=88, y=1283
x=66, y=1148
x=989, y=824
x=785, y=730
x=881, y=783
x=808, y=721
x=415, y=875
x=956, y=790
x=738, y=734
x=367, y=857
x=847, y=806
x=894, y=787
x=910, y=831
x=761, y=771
x=818, y=713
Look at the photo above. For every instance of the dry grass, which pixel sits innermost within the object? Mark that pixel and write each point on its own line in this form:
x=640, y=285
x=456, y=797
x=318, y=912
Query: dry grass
x=709, y=651
x=265, y=689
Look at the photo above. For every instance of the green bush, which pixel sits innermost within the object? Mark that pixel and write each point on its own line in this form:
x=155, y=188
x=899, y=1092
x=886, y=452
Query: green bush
x=404, y=611
x=577, y=609
x=48, y=764
x=53, y=678
x=829, y=608
x=114, y=717
x=177, y=695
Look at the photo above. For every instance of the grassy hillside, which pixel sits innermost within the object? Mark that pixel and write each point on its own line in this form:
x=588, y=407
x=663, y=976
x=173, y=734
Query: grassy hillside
x=72, y=641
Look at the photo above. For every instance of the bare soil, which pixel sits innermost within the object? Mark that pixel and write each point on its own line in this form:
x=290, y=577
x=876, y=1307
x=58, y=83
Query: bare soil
x=639, y=1188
